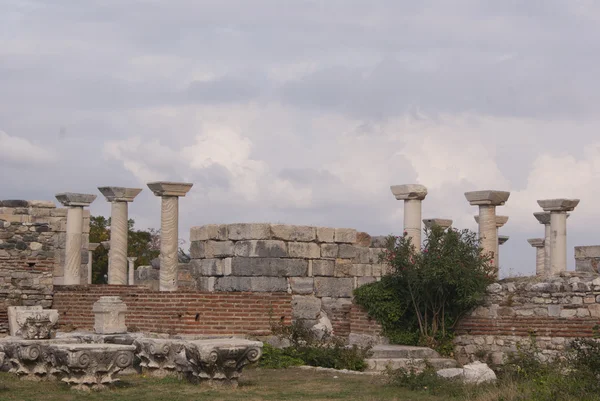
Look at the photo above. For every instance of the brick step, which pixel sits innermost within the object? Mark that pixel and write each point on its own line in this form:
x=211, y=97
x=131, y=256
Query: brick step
x=382, y=364
x=402, y=352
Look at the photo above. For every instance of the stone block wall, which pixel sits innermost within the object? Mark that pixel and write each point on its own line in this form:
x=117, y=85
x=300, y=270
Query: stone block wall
x=319, y=266
x=587, y=258
x=554, y=311
x=179, y=312
x=26, y=266
x=46, y=213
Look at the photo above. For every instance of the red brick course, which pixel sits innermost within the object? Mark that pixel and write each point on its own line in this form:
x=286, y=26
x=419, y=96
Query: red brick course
x=179, y=312
x=361, y=323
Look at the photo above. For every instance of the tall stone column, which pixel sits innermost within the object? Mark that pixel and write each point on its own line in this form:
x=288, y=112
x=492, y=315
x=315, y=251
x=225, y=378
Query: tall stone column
x=500, y=221
x=501, y=241
x=131, y=270
x=91, y=248
x=412, y=195
x=544, y=218
x=540, y=256
x=75, y=204
x=488, y=232
x=119, y=230
x=443, y=223
x=169, y=228
x=558, y=209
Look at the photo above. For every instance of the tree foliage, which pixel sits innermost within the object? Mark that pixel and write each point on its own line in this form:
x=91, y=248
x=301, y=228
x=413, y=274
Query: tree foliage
x=427, y=292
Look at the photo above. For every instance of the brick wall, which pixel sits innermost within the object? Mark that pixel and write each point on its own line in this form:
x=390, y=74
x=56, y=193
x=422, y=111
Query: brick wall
x=180, y=312
x=361, y=323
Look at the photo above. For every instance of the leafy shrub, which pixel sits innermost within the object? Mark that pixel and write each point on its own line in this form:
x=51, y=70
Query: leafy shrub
x=306, y=349
x=427, y=292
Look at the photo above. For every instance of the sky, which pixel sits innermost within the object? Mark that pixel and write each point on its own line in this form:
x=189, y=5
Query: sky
x=305, y=111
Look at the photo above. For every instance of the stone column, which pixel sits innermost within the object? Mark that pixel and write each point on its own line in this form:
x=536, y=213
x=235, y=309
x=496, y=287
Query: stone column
x=75, y=204
x=131, y=270
x=169, y=227
x=500, y=221
x=501, y=240
x=444, y=223
x=558, y=209
x=91, y=248
x=540, y=256
x=119, y=230
x=412, y=195
x=488, y=232
x=544, y=218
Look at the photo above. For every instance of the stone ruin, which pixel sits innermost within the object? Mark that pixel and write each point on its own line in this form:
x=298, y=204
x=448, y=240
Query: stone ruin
x=93, y=360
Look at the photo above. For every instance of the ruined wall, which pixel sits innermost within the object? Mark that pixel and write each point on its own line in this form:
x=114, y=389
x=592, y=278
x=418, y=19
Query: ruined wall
x=179, y=312
x=587, y=258
x=46, y=213
x=555, y=311
x=26, y=265
x=319, y=266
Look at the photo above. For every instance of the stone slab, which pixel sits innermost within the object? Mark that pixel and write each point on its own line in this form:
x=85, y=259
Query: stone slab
x=329, y=251
x=345, y=235
x=261, y=249
x=305, y=307
x=334, y=287
x=273, y=267
x=325, y=234
x=323, y=267
x=302, y=285
x=210, y=231
x=306, y=250
x=13, y=311
x=248, y=231
x=293, y=233
x=252, y=284
x=211, y=267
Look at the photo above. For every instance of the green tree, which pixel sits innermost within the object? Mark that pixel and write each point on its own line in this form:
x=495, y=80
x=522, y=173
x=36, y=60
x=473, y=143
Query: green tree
x=429, y=290
x=142, y=244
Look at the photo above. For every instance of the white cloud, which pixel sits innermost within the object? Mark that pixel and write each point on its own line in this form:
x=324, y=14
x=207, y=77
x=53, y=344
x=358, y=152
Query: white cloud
x=21, y=151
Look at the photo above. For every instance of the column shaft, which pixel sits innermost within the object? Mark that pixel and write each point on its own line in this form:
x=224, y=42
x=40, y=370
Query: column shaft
x=558, y=242
x=412, y=221
x=488, y=232
x=73, y=246
x=169, y=227
x=540, y=261
x=117, y=269
x=89, y=267
x=547, y=234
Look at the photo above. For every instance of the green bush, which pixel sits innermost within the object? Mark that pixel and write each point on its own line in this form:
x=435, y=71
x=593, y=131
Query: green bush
x=427, y=292
x=275, y=358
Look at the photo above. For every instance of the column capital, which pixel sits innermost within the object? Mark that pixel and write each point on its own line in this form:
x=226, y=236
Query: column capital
x=443, y=223
x=487, y=197
x=558, y=205
x=542, y=217
x=132, y=259
x=119, y=194
x=75, y=199
x=166, y=188
x=105, y=245
x=93, y=246
x=536, y=242
x=409, y=192
x=500, y=220
x=502, y=239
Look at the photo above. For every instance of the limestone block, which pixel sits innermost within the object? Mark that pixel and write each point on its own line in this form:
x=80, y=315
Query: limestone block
x=568, y=313
x=13, y=311
x=333, y=306
x=594, y=310
x=248, y=231
x=109, y=315
x=347, y=251
x=305, y=307
x=363, y=270
x=269, y=267
x=363, y=239
x=323, y=267
x=554, y=310
x=365, y=280
x=302, y=285
x=344, y=268
x=206, y=284
x=325, y=234
x=211, y=249
x=345, y=235
x=306, y=250
x=211, y=267
x=363, y=255
x=261, y=249
x=253, y=284
x=293, y=233
x=211, y=231
x=329, y=250
x=333, y=287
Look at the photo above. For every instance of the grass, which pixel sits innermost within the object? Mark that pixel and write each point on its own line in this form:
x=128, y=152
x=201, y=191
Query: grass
x=255, y=384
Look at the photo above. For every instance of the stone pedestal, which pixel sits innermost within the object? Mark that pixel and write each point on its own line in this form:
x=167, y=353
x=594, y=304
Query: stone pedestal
x=412, y=195
x=119, y=229
x=75, y=203
x=169, y=228
x=558, y=209
x=36, y=324
x=131, y=261
x=109, y=315
x=91, y=248
x=540, y=255
x=443, y=223
x=12, y=312
x=488, y=234
x=219, y=362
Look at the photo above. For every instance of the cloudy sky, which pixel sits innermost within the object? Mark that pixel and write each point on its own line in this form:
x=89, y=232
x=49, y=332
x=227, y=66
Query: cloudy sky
x=306, y=111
